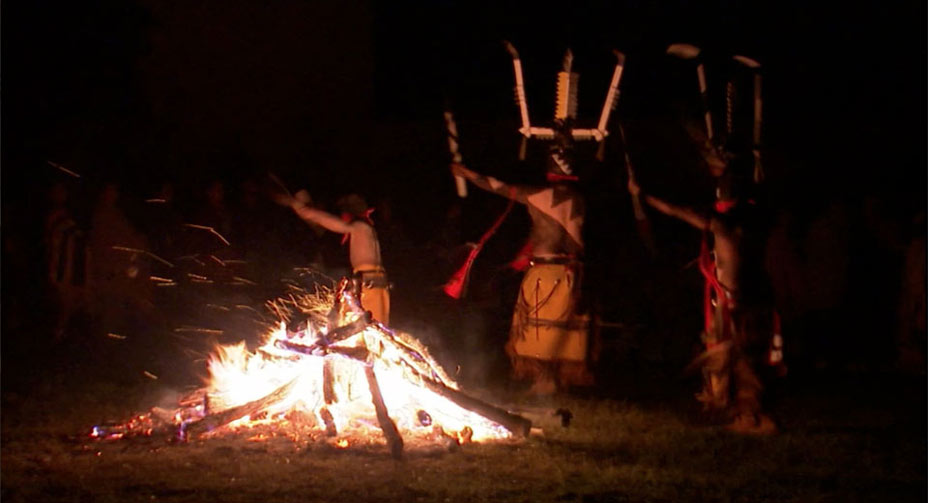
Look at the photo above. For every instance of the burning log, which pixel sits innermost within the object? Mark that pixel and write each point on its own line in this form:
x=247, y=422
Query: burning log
x=386, y=424
x=325, y=340
x=214, y=421
x=328, y=378
x=330, y=430
x=518, y=425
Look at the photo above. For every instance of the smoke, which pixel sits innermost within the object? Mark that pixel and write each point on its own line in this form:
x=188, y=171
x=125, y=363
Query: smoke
x=162, y=397
x=461, y=345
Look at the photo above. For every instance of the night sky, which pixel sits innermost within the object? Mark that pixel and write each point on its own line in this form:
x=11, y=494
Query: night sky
x=308, y=87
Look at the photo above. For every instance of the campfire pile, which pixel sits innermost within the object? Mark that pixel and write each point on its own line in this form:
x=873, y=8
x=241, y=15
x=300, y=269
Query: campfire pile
x=330, y=371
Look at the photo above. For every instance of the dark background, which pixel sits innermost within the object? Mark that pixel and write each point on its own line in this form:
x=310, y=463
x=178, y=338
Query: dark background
x=310, y=88
x=347, y=96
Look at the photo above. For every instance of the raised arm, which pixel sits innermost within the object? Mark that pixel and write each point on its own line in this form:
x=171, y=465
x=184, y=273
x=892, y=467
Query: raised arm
x=684, y=213
x=490, y=184
x=325, y=219
x=300, y=203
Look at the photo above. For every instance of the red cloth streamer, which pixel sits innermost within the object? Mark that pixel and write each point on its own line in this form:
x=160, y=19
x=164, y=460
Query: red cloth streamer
x=556, y=177
x=457, y=284
x=523, y=258
x=724, y=206
x=708, y=270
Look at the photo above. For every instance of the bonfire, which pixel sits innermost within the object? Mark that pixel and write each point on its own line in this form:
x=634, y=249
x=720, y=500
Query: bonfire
x=328, y=371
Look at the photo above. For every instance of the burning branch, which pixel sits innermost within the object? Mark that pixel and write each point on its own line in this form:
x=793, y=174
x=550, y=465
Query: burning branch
x=386, y=424
x=214, y=421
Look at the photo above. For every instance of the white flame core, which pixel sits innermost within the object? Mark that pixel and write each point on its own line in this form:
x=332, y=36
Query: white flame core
x=238, y=376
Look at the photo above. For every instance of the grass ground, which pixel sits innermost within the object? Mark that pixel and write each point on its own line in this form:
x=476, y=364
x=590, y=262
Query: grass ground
x=845, y=438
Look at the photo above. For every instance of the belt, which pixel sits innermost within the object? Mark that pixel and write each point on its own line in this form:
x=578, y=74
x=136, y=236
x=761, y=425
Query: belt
x=557, y=259
x=373, y=278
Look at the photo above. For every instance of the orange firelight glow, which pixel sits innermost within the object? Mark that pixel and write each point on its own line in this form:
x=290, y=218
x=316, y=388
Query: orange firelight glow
x=328, y=378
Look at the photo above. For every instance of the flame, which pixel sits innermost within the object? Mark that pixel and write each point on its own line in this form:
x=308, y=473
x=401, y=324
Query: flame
x=303, y=382
x=238, y=376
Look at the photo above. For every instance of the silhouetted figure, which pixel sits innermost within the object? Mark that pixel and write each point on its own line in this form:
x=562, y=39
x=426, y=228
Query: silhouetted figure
x=164, y=223
x=66, y=260
x=911, y=338
x=119, y=270
x=740, y=319
x=215, y=214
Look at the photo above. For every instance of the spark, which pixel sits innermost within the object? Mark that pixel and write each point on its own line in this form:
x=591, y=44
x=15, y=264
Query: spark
x=210, y=229
x=156, y=200
x=218, y=261
x=160, y=279
x=196, y=276
x=193, y=258
x=279, y=183
x=243, y=280
x=194, y=354
x=149, y=375
x=167, y=284
x=144, y=252
x=221, y=308
x=199, y=330
x=62, y=168
x=115, y=336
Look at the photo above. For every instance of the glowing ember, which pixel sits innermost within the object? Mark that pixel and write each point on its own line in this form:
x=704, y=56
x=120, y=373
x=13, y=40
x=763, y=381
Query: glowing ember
x=330, y=371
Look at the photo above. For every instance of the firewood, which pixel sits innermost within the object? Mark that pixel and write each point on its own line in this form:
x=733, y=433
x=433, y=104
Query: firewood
x=386, y=424
x=328, y=381
x=518, y=425
x=325, y=340
x=330, y=430
x=218, y=419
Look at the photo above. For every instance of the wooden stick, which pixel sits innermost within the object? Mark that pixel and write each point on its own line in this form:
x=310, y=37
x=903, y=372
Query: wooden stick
x=518, y=425
x=214, y=421
x=386, y=424
x=329, y=421
x=328, y=381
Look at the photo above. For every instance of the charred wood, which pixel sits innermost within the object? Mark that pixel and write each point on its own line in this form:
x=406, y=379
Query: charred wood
x=386, y=424
x=214, y=421
x=518, y=425
x=328, y=381
x=330, y=430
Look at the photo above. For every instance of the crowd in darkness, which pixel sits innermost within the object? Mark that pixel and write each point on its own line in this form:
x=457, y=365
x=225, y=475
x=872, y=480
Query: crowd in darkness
x=98, y=257
x=118, y=258
x=88, y=256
